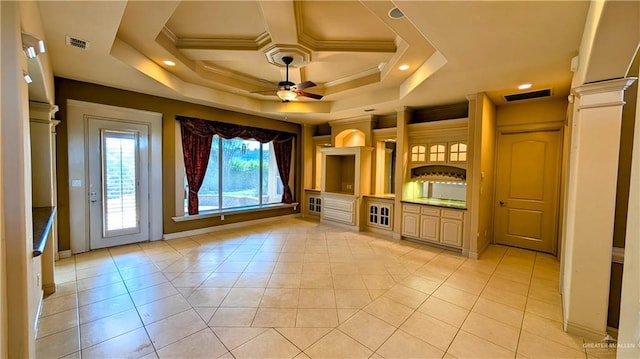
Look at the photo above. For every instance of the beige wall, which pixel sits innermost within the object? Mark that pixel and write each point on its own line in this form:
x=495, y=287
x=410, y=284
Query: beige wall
x=69, y=89
x=532, y=112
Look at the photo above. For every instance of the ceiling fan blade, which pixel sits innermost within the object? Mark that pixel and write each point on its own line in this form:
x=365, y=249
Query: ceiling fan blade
x=304, y=85
x=308, y=94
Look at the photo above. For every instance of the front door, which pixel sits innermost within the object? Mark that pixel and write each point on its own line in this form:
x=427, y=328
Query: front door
x=118, y=182
x=527, y=189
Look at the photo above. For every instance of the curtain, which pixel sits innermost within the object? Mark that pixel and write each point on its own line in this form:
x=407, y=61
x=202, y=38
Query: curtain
x=204, y=129
x=196, y=147
x=282, y=151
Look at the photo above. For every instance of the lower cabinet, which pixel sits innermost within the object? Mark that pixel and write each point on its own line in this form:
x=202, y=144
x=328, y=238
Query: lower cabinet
x=379, y=214
x=433, y=224
x=314, y=203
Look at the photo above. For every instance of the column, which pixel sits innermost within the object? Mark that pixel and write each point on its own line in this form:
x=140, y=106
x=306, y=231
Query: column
x=590, y=205
x=402, y=166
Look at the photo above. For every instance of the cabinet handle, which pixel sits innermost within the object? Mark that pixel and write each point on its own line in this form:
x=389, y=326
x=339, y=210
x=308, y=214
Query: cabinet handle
x=502, y=203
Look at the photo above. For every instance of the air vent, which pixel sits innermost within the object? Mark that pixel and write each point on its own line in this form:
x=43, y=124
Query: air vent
x=528, y=95
x=75, y=42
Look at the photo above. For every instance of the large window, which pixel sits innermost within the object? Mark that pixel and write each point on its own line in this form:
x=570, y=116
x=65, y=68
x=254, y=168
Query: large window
x=240, y=173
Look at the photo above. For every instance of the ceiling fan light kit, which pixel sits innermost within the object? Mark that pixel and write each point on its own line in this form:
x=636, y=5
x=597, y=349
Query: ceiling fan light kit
x=288, y=91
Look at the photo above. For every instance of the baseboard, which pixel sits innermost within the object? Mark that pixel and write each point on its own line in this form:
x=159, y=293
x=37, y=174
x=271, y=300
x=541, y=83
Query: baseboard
x=381, y=231
x=195, y=232
x=64, y=254
x=586, y=333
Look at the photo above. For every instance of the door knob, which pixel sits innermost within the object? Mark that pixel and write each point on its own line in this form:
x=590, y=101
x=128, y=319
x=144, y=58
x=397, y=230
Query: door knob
x=503, y=203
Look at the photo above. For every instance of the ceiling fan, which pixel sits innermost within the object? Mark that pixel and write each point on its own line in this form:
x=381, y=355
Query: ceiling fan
x=287, y=90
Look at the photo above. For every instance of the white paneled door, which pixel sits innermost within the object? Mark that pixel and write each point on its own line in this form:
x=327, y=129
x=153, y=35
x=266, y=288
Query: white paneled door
x=118, y=191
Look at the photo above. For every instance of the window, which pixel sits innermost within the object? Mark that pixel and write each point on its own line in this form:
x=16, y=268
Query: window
x=418, y=153
x=458, y=152
x=120, y=183
x=436, y=153
x=240, y=173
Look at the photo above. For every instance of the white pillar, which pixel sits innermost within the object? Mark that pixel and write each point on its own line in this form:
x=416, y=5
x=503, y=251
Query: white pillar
x=629, y=328
x=402, y=167
x=23, y=289
x=590, y=205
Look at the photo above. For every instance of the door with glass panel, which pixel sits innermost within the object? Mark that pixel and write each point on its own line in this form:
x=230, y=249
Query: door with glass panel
x=118, y=182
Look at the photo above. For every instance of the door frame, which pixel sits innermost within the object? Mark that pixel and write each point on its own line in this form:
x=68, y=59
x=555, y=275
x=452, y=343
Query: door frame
x=78, y=114
x=527, y=128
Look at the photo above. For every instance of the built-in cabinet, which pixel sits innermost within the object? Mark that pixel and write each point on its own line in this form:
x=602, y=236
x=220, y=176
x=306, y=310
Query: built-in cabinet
x=314, y=203
x=379, y=213
x=433, y=224
x=346, y=177
x=453, y=152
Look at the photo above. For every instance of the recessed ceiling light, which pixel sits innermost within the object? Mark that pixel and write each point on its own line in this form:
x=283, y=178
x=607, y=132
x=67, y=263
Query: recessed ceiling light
x=169, y=63
x=403, y=67
x=524, y=86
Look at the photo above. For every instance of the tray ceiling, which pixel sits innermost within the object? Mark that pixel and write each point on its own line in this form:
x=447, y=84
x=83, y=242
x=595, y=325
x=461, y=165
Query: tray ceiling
x=226, y=50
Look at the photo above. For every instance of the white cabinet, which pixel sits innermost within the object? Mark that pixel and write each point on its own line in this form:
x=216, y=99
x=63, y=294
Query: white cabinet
x=379, y=214
x=451, y=231
x=410, y=220
x=432, y=224
x=314, y=202
x=429, y=228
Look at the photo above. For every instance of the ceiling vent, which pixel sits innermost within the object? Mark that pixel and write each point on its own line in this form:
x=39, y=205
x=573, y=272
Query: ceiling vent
x=528, y=95
x=75, y=42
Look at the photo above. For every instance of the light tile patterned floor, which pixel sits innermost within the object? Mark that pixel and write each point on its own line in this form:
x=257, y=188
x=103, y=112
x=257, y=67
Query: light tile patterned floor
x=299, y=289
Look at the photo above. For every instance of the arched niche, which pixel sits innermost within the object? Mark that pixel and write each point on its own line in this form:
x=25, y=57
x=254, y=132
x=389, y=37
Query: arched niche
x=350, y=138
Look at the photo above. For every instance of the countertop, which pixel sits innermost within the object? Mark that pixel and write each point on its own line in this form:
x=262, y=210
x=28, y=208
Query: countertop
x=381, y=196
x=445, y=203
x=42, y=222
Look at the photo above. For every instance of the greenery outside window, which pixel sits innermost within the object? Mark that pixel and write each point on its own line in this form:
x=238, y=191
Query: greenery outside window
x=240, y=173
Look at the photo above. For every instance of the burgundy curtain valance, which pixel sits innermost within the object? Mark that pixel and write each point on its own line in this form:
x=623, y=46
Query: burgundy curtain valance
x=206, y=128
x=197, y=135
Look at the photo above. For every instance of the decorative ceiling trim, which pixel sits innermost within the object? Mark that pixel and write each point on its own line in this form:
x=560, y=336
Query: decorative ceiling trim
x=350, y=82
x=300, y=54
x=224, y=43
x=228, y=78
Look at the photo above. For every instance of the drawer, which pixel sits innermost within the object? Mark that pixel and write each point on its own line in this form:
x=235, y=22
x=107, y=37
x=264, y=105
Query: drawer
x=338, y=204
x=452, y=214
x=410, y=208
x=430, y=211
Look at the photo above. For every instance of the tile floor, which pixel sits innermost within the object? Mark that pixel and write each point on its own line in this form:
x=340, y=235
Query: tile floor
x=300, y=289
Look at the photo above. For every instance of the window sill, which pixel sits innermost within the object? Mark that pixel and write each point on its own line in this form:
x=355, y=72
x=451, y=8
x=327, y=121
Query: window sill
x=223, y=212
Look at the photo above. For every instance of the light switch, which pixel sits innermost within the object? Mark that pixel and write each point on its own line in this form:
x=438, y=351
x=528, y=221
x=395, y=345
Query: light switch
x=76, y=183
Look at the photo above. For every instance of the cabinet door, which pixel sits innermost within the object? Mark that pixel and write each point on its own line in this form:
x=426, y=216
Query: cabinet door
x=373, y=213
x=457, y=152
x=429, y=227
x=438, y=153
x=410, y=225
x=451, y=232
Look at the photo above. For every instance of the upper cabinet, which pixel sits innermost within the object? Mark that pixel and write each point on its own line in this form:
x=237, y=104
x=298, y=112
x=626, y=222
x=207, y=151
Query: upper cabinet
x=418, y=153
x=439, y=142
x=437, y=153
x=457, y=151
